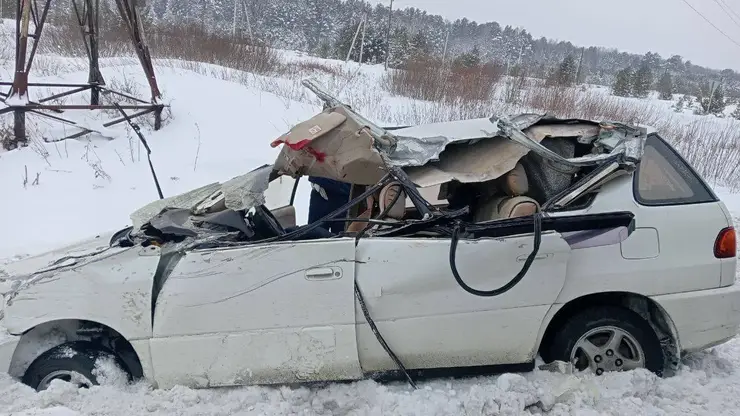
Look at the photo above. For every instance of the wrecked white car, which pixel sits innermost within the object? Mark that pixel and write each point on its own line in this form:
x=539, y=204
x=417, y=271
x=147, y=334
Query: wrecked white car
x=470, y=246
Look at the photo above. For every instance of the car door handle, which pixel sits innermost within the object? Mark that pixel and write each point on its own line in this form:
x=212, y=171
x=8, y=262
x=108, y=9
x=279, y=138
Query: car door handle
x=324, y=273
x=541, y=256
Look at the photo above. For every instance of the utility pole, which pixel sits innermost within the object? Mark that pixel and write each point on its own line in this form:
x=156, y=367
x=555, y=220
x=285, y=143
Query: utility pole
x=519, y=59
x=580, y=63
x=387, y=36
x=354, y=39
x=362, y=41
x=447, y=39
x=233, y=25
x=712, y=90
x=249, y=25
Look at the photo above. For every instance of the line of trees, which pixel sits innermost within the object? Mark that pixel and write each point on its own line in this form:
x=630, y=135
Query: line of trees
x=326, y=28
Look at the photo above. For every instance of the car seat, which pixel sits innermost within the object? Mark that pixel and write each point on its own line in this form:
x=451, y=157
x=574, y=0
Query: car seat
x=506, y=199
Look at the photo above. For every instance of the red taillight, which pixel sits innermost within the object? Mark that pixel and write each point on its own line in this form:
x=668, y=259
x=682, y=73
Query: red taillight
x=725, y=246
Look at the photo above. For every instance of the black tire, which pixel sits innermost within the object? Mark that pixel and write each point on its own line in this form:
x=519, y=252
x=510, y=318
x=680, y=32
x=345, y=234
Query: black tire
x=78, y=356
x=580, y=324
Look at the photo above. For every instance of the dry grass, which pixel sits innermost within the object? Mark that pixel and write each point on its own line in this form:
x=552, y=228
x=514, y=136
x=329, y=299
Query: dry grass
x=427, y=78
x=7, y=137
x=194, y=44
x=302, y=68
x=592, y=105
x=190, y=43
x=711, y=146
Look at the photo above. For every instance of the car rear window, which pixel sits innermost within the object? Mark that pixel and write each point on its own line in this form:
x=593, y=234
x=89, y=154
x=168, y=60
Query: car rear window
x=664, y=178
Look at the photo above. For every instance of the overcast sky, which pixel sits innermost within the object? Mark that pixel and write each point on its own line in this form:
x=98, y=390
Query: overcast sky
x=665, y=26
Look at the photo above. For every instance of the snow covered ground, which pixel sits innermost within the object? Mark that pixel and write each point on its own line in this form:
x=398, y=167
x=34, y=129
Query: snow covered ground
x=707, y=386
x=218, y=129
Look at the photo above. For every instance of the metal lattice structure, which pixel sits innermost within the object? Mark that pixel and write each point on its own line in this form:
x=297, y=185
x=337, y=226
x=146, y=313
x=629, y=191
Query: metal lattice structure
x=88, y=16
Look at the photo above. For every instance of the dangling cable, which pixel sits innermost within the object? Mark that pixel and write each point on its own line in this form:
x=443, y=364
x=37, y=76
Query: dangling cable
x=537, y=220
x=380, y=338
x=137, y=130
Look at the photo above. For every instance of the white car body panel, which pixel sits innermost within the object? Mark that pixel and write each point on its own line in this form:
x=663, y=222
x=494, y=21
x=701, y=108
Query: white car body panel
x=144, y=352
x=431, y=322
x=274, y=313
x=41, y=261
x=703, y=318
x=8, y=344
x=114, y=290
x=729, y=266
x=685, y=260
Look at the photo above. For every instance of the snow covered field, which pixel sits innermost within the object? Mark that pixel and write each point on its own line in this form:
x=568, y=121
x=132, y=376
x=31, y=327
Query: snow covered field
x=221, y=125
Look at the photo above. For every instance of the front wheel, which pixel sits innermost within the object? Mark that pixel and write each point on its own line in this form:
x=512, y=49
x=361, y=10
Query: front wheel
x=607, y=338
x=73, y=362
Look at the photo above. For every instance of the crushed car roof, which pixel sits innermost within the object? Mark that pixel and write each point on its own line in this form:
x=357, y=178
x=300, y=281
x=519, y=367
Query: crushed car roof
x=341, y=144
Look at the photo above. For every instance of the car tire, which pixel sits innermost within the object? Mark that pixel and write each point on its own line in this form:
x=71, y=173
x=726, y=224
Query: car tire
x=585, y=339
x=72, y=362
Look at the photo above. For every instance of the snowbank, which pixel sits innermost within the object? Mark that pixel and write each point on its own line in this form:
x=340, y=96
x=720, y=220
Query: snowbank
x=219, y=130
x=707, y=385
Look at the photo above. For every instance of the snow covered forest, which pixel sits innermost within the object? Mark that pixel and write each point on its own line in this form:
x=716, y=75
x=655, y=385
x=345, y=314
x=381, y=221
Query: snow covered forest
x=325, y=28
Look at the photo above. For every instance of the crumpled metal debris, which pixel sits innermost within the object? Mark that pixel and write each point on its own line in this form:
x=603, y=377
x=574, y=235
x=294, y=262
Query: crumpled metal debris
x=459, y=150
x=240, y=193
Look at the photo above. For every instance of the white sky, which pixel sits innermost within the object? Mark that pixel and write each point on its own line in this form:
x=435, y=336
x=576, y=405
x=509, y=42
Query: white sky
x=664, y=26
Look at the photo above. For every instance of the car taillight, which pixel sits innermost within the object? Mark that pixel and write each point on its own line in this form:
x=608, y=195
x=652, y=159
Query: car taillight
x=725, y=247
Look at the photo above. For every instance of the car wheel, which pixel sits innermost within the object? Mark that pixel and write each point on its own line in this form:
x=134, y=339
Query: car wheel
x=608, y=338
x=73, y=362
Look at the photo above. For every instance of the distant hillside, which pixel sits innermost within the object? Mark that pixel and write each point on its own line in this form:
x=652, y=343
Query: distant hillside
x=325, y=28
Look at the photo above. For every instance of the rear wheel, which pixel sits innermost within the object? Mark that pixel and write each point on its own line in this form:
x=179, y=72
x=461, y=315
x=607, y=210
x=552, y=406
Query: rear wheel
x=73, y=362
x=607, y=338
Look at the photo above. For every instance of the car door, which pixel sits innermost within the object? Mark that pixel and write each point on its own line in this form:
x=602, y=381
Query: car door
x=429, y=321
x=270, y=313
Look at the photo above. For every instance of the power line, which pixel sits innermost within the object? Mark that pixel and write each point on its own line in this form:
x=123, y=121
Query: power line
x=730, y=9
x=720, y=3
x=713, y=25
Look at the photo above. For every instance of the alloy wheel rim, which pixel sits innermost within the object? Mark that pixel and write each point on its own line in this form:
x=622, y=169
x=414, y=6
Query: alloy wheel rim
x=65, y=375
x=607, y=348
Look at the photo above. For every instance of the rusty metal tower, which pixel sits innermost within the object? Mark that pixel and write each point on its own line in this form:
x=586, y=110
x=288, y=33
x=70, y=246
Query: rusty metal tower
x=87, y=15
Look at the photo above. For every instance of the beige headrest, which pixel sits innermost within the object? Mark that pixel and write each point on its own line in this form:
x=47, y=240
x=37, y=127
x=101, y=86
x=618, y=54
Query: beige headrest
x=504, y=207
x=518, y=206
x=393, y=196
x=515, y=182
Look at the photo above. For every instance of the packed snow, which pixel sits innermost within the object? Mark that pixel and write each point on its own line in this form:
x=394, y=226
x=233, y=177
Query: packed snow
x=57, y=193
x=707, y=385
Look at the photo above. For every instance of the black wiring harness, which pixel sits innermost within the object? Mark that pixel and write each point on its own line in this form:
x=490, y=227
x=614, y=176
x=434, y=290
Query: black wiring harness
x=537, y=221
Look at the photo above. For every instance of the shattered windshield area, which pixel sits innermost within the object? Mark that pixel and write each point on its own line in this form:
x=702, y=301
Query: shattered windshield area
x=216, y=208
x=238, y=194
